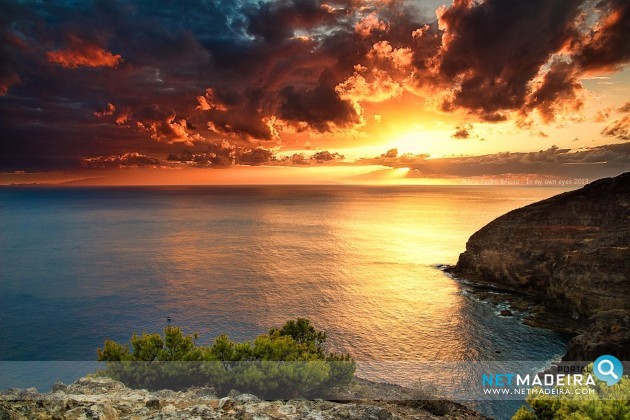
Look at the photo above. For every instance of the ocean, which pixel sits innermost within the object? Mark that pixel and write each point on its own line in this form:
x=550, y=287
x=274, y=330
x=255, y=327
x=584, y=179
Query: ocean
x=80, y=265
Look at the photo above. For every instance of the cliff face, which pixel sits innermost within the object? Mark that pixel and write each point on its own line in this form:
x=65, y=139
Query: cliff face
x=569, y=255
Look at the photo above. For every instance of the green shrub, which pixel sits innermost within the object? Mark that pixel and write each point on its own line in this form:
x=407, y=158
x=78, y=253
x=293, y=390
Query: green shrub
x=427, y=397
x=283, y=363
x=605, y=403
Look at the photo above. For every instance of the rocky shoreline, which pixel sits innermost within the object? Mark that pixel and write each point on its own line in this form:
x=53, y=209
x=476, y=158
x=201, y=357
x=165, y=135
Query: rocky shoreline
x=94, y=397
x=564, y=263
x=510, y=304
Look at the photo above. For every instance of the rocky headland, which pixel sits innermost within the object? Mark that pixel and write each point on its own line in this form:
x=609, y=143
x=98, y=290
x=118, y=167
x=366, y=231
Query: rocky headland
x=565, y=262
x=102, y=398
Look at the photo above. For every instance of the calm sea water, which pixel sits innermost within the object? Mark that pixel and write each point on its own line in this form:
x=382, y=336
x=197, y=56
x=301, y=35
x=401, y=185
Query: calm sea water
x=81, y=265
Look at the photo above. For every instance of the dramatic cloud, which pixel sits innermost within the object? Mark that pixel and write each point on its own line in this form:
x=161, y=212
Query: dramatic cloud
x=369, y=24
x=209, y=101
x=326, y=156
x=131, y=159
x=619, y=128
x=607, y=44
x=523, y=56
x=369, y=86
x=80, y=53
x=497, y=48
x=278, y=20
x=227, y=154
x=462, y=131
x=224, y=154
x=256, y=156
x=300, y=159
x=101, y=78
x=556, y=89
x=165, y=125
x=110, y=110
x=599, y=161
x=602, y=115
x=319, y=106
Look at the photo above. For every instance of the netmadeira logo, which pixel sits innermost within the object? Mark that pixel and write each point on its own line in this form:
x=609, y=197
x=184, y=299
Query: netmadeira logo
x=548, y=379
x=606, y=368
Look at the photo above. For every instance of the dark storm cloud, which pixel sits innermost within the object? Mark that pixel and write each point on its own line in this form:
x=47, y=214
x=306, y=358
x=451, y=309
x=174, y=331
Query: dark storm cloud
x=10, y=46
x=607, y=45
x=317, y=106
x=102, y=78
x=558, y=87
x=72, y=61
x=277, y=21
x=498, y=47
x=504, y=53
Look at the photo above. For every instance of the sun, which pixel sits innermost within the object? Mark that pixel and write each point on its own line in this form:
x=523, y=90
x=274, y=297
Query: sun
x=417, y=140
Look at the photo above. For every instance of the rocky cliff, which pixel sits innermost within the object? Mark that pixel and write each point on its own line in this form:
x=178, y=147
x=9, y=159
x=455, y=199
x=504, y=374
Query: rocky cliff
x=568, y=258
x=106, y=399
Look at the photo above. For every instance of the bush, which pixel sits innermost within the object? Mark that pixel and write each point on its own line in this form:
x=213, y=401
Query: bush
x=283, y=363
x=606, y=403
x=427, y=397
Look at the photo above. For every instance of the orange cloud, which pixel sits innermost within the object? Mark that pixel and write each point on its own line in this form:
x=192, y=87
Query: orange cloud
x=619, y=128
x=111, y=108
x=605, y=48
x=210, y=101
x=129, y=159
x=390, y=74
x=170, y=129
x=6, y=82
x=370, y=23
x=371, y=86
x=81, y=53
x=400, y=57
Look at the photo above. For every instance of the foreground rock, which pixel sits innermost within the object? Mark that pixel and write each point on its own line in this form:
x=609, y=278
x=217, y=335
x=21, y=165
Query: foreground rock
x=566, y=260
x=106, y=399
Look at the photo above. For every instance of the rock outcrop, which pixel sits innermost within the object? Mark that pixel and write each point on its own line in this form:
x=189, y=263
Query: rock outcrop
x=568, y=257
x=106, y=399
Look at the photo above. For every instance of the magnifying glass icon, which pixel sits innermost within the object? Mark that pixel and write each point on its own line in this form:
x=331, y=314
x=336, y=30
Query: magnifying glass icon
x=610, y=371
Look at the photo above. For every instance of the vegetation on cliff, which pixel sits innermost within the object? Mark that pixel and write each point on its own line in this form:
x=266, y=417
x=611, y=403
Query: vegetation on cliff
x=605, y=403
x=283, y=363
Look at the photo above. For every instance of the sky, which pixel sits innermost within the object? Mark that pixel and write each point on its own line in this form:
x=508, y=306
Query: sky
x=313, y=91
